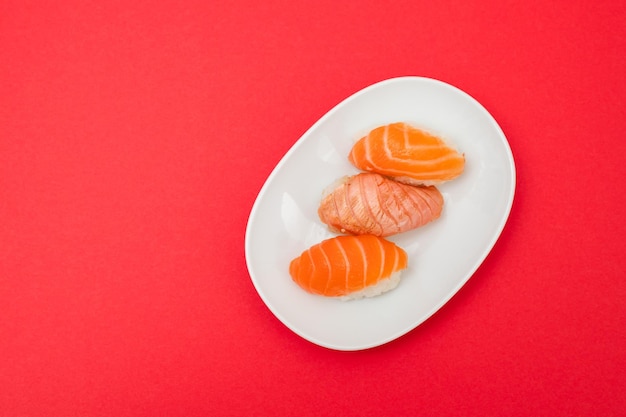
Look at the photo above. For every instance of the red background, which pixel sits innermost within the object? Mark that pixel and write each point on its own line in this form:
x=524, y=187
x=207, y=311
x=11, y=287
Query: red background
x=135, y=136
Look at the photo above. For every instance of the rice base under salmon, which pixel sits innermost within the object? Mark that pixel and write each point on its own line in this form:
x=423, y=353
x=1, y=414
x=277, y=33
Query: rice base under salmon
x=379, y=288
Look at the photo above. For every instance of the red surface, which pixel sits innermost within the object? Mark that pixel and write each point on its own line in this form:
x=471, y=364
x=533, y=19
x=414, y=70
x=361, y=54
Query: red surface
x=134, y=137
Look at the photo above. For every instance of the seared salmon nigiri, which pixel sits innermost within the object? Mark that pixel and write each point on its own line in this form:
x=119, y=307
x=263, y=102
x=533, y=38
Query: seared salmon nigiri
x=407, y=154
x=349, y=267
x=369, y=203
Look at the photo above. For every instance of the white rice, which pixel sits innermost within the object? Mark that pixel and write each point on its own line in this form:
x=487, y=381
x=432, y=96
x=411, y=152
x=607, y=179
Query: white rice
x=334, y=185
x=417, y=183
x=382, y=286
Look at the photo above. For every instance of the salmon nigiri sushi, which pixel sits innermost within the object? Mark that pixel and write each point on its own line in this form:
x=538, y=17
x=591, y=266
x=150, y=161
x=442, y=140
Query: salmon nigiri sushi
x=407, y=154
x=349, y=267
x=369, y=203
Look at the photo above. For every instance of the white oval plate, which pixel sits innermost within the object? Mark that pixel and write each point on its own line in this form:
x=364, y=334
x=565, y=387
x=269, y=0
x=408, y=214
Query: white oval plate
x=443, y=255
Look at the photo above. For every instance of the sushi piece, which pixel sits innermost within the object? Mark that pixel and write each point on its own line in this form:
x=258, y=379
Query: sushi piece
x=349, y=267
x=369, y=203
x=407, y=154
